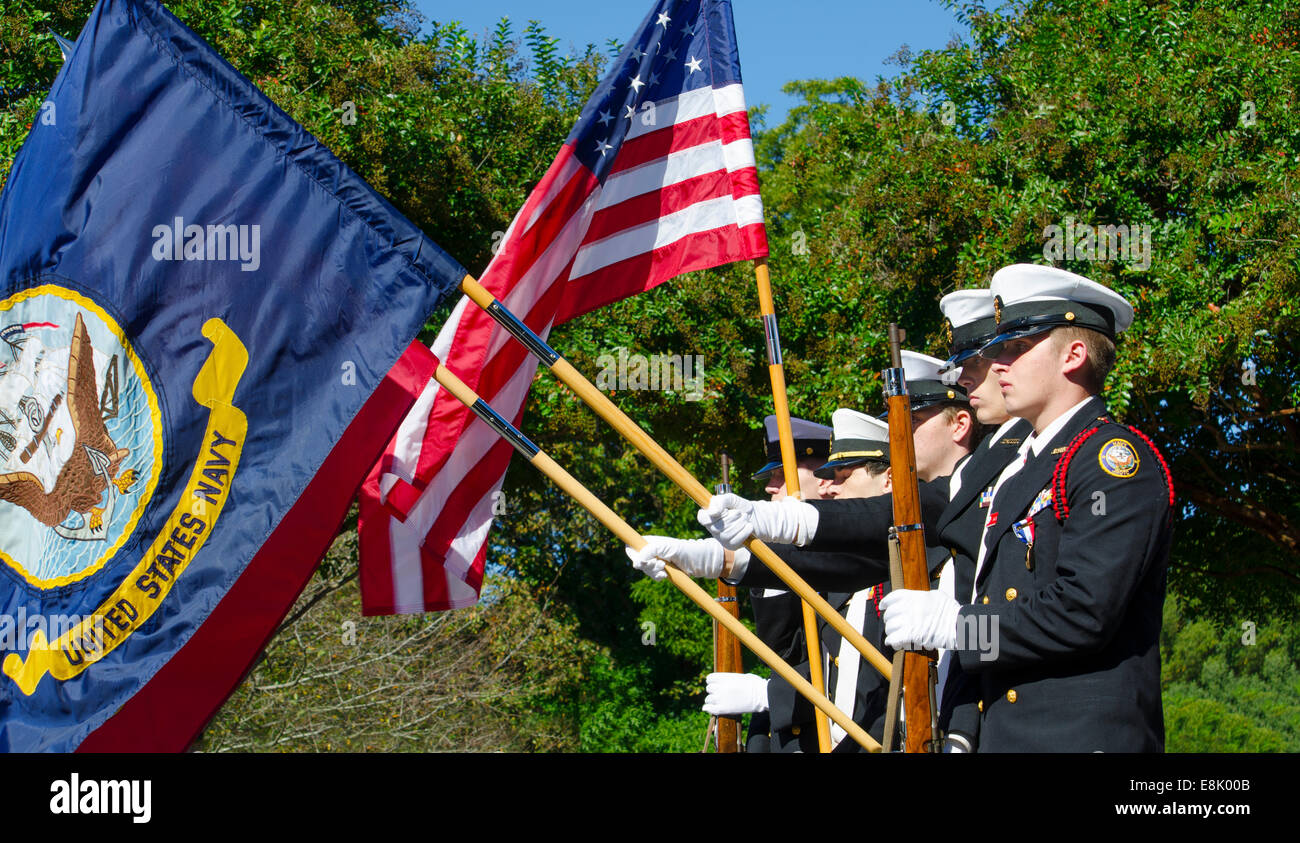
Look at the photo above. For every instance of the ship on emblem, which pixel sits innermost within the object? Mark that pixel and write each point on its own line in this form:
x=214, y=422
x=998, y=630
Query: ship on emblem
x=59, y=461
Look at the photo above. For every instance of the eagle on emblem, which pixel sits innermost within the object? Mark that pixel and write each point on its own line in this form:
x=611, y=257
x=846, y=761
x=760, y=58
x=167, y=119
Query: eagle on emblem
x=87, y=468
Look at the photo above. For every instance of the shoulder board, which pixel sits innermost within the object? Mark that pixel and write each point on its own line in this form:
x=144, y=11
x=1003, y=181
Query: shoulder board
x=1061, y=505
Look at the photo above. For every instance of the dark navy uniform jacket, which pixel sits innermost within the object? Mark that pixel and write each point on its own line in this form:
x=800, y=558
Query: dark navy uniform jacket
x=824, y=571
x=790, y=717
x=786, y=725
x=850, y=549
x=1075, y=578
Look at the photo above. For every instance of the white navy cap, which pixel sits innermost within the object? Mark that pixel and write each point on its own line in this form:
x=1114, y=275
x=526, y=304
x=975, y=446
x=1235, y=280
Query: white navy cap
x=858, y=438
x=1029, y=299
x=928, y=383
x=969, y=323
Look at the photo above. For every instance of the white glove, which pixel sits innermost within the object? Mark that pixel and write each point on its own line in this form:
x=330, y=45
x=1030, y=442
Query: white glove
x=735, y=693
x=925, y=620
x=731, y=520
x=696, y=557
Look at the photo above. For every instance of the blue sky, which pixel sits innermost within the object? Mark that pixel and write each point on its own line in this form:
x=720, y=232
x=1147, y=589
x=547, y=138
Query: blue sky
x=779, y=40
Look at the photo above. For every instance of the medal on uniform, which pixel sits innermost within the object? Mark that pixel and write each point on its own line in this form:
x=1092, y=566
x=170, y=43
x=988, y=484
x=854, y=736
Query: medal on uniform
x=986, y=497
x=1024, y=531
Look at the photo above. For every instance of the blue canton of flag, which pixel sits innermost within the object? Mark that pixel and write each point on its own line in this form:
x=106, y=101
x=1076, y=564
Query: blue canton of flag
x=205, y=320
x=687, y=47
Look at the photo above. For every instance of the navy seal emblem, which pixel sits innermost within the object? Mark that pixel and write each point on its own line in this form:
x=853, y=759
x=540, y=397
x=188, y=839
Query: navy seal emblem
x=80, y=436
x=1118, y=459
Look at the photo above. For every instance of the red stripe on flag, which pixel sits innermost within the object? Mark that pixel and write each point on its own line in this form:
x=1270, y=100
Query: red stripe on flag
x=649, y=207
x=650, y=269
x=170, y=710
x=680, y=136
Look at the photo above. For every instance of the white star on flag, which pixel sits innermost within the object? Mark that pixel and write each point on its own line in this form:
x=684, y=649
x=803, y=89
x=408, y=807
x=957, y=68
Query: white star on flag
x=605, y=118
x=693, y=64
x=602, y=147
x=663, y=20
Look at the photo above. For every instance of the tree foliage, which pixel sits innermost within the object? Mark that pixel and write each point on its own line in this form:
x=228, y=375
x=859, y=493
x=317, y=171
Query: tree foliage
x=1179, y=116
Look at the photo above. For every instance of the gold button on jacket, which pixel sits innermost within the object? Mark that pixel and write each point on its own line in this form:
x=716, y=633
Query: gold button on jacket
x=1011, y=593
x=1011, y=695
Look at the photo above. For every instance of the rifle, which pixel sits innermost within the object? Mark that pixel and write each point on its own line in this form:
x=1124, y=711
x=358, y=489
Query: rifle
x=726, y=647
x=920, y=714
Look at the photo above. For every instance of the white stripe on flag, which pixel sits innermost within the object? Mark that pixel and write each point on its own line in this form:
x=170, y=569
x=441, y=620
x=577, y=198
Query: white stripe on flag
x=749, y=210
x=739, y=155
x=404, y=541
x=702, y=216
x=693, y=104
x=729, y=99
x=655, y=175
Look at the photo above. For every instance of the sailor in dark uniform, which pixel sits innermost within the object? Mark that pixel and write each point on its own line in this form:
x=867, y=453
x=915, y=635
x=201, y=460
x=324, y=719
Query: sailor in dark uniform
x=782, y=720
x=943, y=428
x=788, y=724
x=1070, y=574
x=848, y=550
x=858, y=468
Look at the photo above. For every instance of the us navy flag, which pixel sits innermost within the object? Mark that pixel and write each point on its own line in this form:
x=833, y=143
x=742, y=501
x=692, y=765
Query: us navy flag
x=205, y=320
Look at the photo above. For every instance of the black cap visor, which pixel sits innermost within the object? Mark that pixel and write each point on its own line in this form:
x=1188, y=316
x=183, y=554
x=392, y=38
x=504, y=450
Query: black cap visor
x=993, y=347
x=827, y=472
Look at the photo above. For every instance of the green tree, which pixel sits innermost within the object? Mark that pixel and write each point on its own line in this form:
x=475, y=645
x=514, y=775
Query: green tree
x=880, y=197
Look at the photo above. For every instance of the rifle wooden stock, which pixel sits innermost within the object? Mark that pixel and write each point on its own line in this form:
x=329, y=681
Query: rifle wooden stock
x=896, y=681
x=726, y=647
x=917, y=711
x=727, y=659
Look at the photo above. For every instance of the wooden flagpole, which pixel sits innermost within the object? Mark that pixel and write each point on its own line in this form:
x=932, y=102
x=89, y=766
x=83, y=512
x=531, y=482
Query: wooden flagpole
x=790, y=465
x=633, y=539
x=662, y=460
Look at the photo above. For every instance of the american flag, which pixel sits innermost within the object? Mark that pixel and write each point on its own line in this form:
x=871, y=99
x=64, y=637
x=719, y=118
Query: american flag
x=657, y=178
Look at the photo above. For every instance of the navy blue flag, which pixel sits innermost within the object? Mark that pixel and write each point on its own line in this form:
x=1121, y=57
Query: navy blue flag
x=206, y=326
